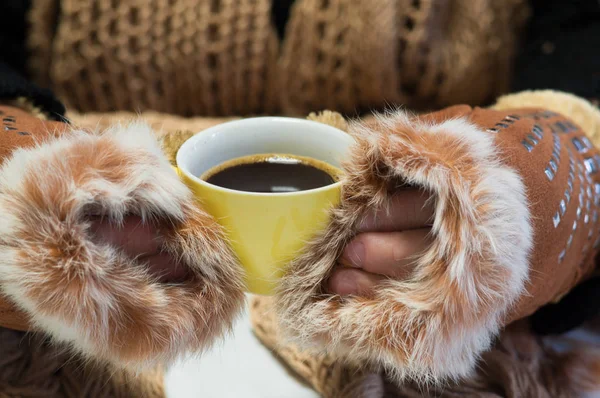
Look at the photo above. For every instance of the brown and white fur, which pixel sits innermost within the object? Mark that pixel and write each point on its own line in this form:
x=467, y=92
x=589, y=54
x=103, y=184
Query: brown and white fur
x=103, y=304
x=435, y=324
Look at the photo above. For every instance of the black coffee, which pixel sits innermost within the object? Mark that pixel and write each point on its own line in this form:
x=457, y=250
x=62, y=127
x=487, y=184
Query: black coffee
x=272, y=174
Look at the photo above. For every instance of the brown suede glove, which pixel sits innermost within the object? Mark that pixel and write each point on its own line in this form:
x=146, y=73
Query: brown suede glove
x=13, y=136
x=56, y=279
x=516, y=227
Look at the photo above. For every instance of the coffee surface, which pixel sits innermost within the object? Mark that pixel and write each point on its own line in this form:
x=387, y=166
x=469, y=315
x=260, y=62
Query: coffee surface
x=272, y=173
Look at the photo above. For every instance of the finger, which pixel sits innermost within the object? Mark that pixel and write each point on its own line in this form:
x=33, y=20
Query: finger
x=350, y=281
x=134, y=237
x=165, y=268
x=386, y=253
x=140, y=240
x=410, y=209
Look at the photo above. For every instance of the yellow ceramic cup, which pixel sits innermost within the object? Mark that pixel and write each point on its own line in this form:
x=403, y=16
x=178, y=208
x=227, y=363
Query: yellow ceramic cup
x=266, y=230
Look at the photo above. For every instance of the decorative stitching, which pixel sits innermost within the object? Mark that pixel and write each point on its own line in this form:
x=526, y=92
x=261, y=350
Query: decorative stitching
x=554, y=161
x=590, y=165
x=9, y=124
x=589, y=194
x=563, y=127
x=506, y=122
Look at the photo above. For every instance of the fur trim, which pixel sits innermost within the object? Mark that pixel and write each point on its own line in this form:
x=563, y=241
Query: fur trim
x=104, y=304
x=435, y=324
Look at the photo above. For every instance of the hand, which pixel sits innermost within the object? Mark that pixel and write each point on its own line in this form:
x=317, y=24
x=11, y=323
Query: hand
x=142, y=241
x=385, y=245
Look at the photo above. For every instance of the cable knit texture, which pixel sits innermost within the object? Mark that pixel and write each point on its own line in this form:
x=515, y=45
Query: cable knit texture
x=197, y=57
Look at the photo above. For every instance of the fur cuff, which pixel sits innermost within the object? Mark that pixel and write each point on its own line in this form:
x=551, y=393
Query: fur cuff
x=435, y=324
x=105, y=305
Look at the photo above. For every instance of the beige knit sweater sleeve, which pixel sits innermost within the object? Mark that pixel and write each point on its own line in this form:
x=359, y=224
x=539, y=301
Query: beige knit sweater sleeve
x=211, y=58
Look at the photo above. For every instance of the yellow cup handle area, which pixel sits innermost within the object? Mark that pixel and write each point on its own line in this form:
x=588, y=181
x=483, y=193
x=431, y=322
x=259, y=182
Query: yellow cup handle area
x=177, y=170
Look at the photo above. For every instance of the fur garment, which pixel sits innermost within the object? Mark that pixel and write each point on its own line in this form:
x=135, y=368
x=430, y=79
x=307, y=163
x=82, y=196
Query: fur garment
x=100, y=302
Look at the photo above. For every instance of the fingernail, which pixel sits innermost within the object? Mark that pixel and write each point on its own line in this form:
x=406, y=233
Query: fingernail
x=354, y=254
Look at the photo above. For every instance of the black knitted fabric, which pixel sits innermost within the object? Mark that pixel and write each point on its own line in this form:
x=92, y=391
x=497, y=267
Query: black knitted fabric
x=13, y=30
x=561, y=49
x=580, y=305
x=280, y=12
x=13, y=85
x=13, y=60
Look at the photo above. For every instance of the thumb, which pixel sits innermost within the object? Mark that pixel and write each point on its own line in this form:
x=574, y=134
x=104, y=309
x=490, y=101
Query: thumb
x=134, y=237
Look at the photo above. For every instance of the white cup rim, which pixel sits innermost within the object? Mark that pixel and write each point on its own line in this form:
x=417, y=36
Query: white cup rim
x=185, y=147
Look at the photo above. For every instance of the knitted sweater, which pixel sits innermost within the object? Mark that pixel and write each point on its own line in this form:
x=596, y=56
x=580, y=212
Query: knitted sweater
x=558, y=33
x=194, y=57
